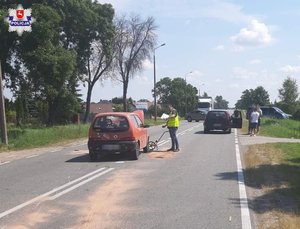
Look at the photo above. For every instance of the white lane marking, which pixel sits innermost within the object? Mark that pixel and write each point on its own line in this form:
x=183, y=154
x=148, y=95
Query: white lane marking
x=31, y=156
x=162, y=142
x=46, y=194
x=80, y=184
x=120, y=162
x=6, y=162
x=245, y=213
x=53, y=151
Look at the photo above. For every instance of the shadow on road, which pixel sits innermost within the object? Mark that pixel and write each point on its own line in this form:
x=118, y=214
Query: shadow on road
x=211, y=132
x=103, y=158
x=282, y=182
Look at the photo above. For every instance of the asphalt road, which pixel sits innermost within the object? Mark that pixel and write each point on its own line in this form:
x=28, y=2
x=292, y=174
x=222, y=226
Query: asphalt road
x=194, y=188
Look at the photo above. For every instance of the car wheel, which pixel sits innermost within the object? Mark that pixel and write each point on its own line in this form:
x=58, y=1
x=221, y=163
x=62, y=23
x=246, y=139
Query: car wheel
x=93, y=155
x=229, y=131
x=206, y=131
x=146, y=148
x=197, y=120
x=134, y=155
x=189, y=119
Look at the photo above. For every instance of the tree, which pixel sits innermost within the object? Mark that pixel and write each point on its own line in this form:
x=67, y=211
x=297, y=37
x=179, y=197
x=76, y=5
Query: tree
x=67, y=38
x=134, y=41
x=176, y=92
x=288, y=94
x=261, y=96
x=258, y=96
x=221, y=103
x=92, y=39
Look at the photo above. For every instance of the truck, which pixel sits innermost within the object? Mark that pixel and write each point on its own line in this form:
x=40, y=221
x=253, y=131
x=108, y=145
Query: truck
x=205, y=103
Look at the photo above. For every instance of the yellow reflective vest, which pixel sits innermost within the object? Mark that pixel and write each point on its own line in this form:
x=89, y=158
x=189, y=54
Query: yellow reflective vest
x=173, y=121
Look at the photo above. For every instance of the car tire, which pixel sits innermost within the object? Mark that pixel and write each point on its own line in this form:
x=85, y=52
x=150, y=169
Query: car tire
x=146, y=148
x=229, y=131
x=134, y=155
x=206, y=131
x=189, y=119
x=198, y=120
x=93, y=155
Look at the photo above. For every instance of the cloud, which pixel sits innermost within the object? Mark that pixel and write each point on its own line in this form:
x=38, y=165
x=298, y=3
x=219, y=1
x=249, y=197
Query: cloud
x=147, y=64
x=225, y=11
x=234, y=86
x=255, y=61
x=219, y=48
x=218, y=80
x=256, y=34
x=217, y=9
x=289, y=69
x=242, y=73
x=141, y=79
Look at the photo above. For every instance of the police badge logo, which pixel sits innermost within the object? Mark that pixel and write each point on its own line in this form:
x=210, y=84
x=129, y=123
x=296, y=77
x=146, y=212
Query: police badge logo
x=20, y=20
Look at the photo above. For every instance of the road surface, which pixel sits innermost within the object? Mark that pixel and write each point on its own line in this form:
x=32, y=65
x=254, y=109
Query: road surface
x=199, y=187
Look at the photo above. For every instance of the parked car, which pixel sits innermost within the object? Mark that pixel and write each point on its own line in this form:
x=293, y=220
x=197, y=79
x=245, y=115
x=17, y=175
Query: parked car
x=274, y=112
x=118, y=132
x=222, y=120
x=196, y=115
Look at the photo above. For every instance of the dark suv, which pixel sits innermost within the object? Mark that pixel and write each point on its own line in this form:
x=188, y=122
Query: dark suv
x=222, y=120
x=274, y=112
x=196, y=115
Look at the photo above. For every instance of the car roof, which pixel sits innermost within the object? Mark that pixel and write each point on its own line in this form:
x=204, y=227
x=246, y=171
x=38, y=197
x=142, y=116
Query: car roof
x=113, y=114
x=216, y=110
x=139, y=113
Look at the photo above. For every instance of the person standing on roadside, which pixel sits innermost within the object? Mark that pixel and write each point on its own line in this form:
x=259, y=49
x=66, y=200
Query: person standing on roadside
x=173, y=124
x=254, y=122
x=259, y=118
x=248, y=114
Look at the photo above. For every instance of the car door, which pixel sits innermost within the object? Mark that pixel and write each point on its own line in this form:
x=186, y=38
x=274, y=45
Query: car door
x=236, y=119
x=141, y=132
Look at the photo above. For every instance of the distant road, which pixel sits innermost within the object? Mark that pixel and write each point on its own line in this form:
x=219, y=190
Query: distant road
x=195, y=188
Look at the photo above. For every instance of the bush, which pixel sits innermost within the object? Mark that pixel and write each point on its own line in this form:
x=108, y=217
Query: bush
x=296, y=115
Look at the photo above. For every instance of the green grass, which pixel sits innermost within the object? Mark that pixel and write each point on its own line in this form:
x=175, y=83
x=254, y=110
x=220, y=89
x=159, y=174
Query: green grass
x=281, y=128
x=151, y=122
x=29, y=137
x=284, y=128
x=34, y=137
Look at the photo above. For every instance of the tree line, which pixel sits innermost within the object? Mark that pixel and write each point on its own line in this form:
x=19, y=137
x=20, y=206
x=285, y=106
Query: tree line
x=287, y=93
x=76, y=42
x=72, y=43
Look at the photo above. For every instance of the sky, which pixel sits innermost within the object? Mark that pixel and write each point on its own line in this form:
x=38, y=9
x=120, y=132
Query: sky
x=221, y=47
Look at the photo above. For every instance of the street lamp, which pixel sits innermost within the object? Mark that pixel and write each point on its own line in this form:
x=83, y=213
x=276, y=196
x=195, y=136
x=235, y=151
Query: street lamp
x=185, y=94
x=154, y=88
x=199, y=89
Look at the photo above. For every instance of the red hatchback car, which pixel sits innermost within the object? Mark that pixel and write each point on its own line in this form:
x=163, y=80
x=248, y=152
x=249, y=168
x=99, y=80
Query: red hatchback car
x=118, y=132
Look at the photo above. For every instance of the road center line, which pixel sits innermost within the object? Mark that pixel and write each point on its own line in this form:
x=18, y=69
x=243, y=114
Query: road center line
x=31, y=156
x=80, y=184
x=5, y=162
x=245, y=214
x=3, y=214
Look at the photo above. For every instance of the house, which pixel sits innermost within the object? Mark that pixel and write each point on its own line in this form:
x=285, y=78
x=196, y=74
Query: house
x=100, y=107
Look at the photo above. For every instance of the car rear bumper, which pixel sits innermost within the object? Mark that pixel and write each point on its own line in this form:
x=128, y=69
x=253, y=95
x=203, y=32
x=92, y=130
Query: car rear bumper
x=111, y=146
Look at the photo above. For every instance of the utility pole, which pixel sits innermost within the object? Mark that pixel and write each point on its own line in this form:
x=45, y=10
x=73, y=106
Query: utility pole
x=154, y=87
x=2, y=113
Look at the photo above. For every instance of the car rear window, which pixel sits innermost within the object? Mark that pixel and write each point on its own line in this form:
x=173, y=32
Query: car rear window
x=111, y=123
x=215, y=114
